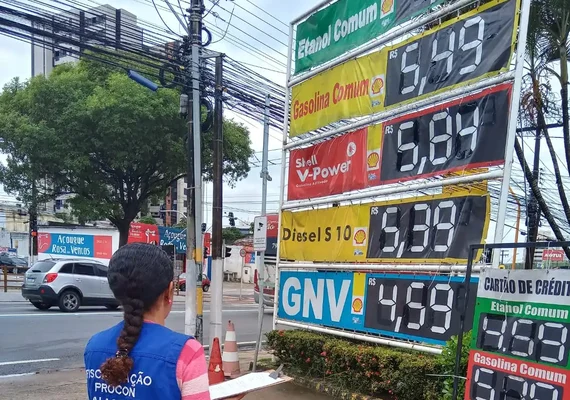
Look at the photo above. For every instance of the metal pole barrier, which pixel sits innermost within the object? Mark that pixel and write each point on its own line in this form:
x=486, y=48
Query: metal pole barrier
x=261, y=259
x=216, y=304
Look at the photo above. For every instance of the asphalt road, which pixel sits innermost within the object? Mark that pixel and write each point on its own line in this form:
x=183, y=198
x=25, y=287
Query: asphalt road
x=34, y=341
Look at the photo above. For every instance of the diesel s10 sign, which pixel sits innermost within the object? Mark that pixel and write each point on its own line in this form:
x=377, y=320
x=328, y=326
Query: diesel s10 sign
x=423, y=308
x=433, y=229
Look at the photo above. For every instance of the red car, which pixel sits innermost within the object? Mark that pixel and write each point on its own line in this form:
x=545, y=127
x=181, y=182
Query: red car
x=182, y=282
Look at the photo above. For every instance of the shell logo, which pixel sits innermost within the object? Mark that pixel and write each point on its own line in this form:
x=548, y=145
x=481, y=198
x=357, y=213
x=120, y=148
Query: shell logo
x=387, y=6
x=357, y=305
x=372, y=160
x=377, y=85
x=360, y=236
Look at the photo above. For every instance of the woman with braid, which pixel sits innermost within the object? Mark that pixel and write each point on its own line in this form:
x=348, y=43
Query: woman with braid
x=140, y=358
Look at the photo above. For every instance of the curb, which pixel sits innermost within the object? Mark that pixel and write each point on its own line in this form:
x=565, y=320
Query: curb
x=321, y=386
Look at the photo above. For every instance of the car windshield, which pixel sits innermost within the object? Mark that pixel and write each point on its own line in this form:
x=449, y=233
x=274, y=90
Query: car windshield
x=42, y=266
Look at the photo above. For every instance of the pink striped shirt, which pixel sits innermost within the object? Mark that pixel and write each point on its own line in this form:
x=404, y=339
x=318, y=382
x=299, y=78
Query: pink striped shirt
x=192, y=372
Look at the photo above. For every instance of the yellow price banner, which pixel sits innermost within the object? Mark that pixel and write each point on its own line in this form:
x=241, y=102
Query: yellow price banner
x=430, y=229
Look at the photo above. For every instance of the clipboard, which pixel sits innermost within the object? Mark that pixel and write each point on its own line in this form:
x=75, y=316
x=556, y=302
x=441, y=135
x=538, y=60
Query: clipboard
x=248, y=383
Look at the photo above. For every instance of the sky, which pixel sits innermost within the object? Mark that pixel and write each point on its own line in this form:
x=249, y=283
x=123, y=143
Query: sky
x=245, y=199
x=263, y=29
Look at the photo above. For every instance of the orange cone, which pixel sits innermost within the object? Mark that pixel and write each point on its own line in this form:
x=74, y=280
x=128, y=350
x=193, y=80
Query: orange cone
x=231, y=357
x=215, y=371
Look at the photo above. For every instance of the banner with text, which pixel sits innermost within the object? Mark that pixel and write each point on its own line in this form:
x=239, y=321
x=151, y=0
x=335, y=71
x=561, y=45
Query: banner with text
x=461, y=51
x=520, y=336
x=388, y=231
x=377, y=303
x=68, y=244
x=347, y=24
x=332, y=167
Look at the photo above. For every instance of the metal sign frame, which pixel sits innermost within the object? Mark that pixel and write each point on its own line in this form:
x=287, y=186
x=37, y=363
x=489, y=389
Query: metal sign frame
x=288, y=143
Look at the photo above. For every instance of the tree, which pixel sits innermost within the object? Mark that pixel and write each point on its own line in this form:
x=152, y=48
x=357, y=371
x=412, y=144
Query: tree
x=547, y=42
x=147, y=219
x=182, y=223
x=91, y=131
x=231, y=234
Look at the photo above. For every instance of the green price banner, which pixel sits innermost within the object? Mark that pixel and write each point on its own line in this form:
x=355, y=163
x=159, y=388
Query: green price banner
x=520, y=344
x=347, y=24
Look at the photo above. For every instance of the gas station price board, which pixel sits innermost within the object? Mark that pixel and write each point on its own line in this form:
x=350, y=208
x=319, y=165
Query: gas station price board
x=520, y=346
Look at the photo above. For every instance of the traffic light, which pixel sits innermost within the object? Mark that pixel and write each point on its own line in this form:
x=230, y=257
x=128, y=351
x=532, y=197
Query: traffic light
x=203, y=227
x=228, y=252
x=232, y=219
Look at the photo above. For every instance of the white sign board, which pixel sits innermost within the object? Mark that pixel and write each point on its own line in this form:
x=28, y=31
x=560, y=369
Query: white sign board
x=260, y=233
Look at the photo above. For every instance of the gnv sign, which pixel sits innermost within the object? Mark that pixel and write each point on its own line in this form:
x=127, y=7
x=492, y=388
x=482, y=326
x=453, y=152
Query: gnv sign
x=321, y=299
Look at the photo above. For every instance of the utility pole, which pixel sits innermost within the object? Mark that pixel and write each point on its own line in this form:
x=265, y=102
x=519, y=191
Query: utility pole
x=217, y=240
x=261, y=258
x=194, y=312
x=533, y=208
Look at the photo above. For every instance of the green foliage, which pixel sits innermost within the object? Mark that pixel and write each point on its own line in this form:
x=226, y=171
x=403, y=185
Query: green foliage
x=360, y=368
x=446, y=362
x=91, y=131
x=147, y=219
x=231, y=234
x=183, y=223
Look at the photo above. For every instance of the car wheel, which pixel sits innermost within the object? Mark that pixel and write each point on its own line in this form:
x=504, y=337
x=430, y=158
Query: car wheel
x=205, y=288
x=69, y=301
x=112, y=306
x=182, y=287
x=40, y=306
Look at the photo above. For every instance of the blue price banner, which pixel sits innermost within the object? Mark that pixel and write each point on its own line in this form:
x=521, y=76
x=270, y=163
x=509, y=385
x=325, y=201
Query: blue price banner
x=423, y=308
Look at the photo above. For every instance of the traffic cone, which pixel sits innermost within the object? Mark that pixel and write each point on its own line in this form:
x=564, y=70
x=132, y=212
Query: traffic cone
x=215, y=371
x=231, y=357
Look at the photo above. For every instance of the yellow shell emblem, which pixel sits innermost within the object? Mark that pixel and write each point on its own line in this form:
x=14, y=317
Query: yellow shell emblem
x=373, y=159
x=360, y=236
x=357, y=305
x=387, y=6
x=377, y=85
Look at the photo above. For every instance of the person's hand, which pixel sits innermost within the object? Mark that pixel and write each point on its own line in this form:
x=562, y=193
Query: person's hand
x=239, y=397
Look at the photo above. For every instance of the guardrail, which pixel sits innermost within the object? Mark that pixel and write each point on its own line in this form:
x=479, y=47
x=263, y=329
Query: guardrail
x=10, y=280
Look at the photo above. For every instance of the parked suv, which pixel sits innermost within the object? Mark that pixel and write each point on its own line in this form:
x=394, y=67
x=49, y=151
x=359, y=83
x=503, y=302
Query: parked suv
x=68, y=284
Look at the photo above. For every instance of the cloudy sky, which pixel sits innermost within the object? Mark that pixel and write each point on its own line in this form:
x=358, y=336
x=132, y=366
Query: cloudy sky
x=251, y=26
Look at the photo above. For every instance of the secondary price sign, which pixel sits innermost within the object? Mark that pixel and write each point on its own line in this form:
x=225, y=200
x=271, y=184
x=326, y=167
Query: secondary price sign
x=520, y=343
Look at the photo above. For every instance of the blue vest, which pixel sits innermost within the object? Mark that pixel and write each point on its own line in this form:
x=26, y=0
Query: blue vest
x=154, y=373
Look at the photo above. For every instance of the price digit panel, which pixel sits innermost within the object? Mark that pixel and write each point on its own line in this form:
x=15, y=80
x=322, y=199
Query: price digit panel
x=440, y=228
x=466, y=133
x=490, y=384
x=479, y=43
x=535, y=340
x=428, y=307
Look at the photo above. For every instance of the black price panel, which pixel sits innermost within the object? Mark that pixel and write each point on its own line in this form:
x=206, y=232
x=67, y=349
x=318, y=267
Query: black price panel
x=489, y=384
x=428, y=307
x=432, y=228
x=476, y=45
x=534, y=340
x=467, y=133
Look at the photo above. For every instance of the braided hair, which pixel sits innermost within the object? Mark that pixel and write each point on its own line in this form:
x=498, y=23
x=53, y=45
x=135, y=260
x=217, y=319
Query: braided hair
x=138, y=274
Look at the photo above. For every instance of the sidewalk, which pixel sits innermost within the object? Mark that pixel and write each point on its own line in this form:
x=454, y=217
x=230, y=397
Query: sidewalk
x=70, y=385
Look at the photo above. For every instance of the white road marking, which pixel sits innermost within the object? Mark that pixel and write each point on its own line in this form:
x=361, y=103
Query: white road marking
x=17, y=375
x=118, y=314
x=28, y=361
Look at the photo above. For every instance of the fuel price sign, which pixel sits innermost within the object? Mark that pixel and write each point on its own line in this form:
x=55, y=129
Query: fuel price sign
x=520, y=345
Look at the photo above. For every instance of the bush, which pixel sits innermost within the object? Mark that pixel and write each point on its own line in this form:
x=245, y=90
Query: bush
x=446, y=362
x=363, y=368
